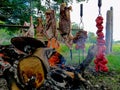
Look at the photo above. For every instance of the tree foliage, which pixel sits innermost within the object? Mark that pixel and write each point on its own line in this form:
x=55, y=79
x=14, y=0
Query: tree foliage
x=18, y=11
x=6, y=35
x=91, y=37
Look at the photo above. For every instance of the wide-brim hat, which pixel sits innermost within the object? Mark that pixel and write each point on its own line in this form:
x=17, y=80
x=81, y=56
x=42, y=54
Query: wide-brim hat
x=21, y=42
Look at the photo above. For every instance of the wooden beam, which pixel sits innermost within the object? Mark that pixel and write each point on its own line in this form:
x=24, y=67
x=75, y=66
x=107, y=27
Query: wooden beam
x=21, y=26
x=18, y=26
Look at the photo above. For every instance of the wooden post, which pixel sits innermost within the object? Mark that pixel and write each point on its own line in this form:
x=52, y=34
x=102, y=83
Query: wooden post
x=109, y=31
x=111, y=24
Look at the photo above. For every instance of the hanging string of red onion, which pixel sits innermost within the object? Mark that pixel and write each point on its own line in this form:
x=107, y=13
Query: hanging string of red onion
x=100, y=61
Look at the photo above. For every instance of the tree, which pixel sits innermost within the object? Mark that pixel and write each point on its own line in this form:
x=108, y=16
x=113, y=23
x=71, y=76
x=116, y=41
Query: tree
x=18, y=11
x=91, y=37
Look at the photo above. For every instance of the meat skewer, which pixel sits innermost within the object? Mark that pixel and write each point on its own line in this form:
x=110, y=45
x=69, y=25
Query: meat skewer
x=30, y=32
x=81, y=36
x=50, y=24
x=65, y=24
x=40, y=30
x=50, y=29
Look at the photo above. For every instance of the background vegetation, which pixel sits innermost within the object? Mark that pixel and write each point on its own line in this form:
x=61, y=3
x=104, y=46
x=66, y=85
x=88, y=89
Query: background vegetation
x=103, y=80
x=18, y=11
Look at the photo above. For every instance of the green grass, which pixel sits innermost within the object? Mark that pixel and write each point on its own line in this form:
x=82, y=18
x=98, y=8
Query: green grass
x=111, y=79
x=77, y=55
x=113, y=58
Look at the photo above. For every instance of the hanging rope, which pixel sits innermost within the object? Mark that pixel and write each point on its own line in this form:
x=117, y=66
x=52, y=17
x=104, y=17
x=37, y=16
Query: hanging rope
x=100, y=61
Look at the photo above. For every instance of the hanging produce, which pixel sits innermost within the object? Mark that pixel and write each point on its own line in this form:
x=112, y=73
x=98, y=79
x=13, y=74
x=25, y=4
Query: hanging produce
x=100, y=61
x=65, y=24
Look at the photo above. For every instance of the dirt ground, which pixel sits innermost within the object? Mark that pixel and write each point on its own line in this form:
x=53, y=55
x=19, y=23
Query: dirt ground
x=102, y=80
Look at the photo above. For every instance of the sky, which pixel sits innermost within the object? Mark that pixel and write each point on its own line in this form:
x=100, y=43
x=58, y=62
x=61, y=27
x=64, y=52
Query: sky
x=90, y=13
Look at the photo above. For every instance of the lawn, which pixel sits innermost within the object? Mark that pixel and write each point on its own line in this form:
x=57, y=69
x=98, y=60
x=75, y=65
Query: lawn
x=100, y=81
x=113, y=58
